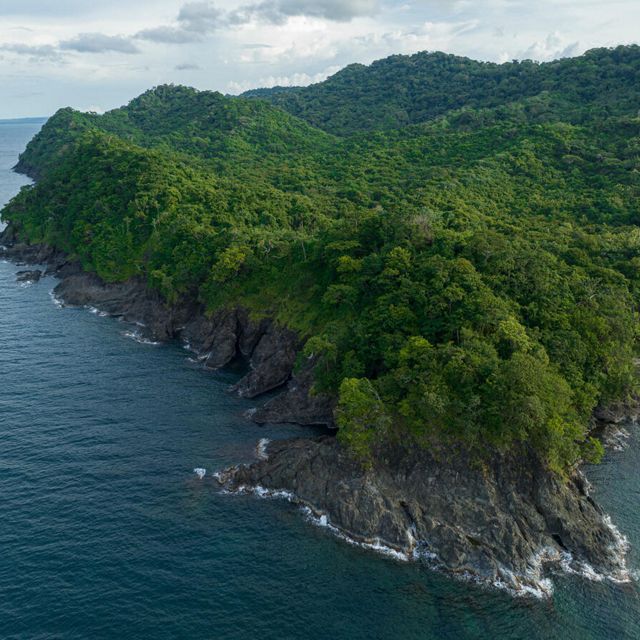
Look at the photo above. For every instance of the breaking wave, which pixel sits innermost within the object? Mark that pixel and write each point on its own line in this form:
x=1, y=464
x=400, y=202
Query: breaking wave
x=58, y=303
x=261, y=449
x=138, y=337
x=96, y=312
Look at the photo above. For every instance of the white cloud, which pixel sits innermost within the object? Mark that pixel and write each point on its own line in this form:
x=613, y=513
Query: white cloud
x=551, y=48
x=294, y=80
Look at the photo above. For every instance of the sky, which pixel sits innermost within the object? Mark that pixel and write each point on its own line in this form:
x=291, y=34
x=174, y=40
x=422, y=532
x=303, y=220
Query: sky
x=96, y=56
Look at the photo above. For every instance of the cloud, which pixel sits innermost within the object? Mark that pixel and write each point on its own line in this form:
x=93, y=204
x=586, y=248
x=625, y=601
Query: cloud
x=187, y=66
x=279, y=11
x=199, y=17
x=195, y=20
x=552, y=48
x=99, y=43
x=339, y=10
x=33, y=52
x=293, y=80
x=169, y=35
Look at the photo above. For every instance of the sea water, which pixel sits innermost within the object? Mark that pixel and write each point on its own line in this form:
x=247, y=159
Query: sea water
x=106, y=531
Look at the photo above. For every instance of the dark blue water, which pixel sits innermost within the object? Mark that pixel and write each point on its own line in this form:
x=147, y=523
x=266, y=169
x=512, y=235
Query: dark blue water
x=106, y=533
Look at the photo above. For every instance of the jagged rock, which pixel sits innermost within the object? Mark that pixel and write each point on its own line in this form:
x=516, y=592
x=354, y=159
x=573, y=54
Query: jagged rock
x=28, y=254
x=495, y=521
x=298, y=403
x=618, y=412
x=131, y=300
x=250, y=332
x=29, y=276
x=214, y=337
x=272, y=361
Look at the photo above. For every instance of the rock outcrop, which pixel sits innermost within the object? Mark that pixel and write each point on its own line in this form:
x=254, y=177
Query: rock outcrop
x=497, y=522
x=299, y=403
x=217, y=338
x=29, y=276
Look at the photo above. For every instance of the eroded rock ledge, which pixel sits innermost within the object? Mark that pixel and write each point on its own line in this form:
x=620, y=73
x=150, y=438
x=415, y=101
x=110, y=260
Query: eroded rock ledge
x=217, y=339
x=497, y=522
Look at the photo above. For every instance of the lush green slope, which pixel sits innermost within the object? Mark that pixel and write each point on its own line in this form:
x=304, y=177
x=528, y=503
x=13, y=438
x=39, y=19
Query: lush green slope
x=472, y=278
x=403, y=90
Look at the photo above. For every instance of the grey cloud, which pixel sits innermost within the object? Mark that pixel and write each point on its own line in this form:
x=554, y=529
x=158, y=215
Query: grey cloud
x=341, y=10
x=169, y=35
x=99, y=43
x=278, y=11
x=199, y=17
x=195, y=20
x=35, y=52
x=186, y=66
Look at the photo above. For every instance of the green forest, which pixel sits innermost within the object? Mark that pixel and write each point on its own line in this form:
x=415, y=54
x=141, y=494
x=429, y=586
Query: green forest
x=458, y=242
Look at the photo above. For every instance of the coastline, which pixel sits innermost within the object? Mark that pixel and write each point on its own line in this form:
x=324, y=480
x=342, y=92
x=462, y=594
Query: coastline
x=495, y=534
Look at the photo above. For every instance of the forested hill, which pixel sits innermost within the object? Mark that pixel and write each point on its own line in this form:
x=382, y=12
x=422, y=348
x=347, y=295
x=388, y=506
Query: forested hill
x=403, y=90
x=473, y=277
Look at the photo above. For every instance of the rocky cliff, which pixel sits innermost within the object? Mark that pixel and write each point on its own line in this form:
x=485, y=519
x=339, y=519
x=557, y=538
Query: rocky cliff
x=217, y=339
x=496, y=522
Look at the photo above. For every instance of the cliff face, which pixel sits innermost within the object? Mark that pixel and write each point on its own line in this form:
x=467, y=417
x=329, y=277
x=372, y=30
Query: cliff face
x=497, y=522
x=217, y=339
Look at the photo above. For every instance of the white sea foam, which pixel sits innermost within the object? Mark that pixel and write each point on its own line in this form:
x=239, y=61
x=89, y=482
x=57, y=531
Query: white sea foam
x=261, y=449
x=56, y=301
x=617, y=439
x=96, y=312
x=377, y=545
x=321, y=520
x=138, y=337
x=200, y=472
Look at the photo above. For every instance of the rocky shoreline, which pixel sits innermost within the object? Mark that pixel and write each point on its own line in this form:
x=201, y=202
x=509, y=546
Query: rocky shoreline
x=497, y=523
x=270, y=350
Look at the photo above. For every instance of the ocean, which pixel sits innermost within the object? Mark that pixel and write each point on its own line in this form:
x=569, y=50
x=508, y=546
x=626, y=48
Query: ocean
x=107, y=532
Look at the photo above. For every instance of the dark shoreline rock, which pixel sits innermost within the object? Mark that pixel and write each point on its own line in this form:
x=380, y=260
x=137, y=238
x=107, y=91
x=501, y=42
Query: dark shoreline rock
x=29, y=276
x=496, y=522
x=217, y=339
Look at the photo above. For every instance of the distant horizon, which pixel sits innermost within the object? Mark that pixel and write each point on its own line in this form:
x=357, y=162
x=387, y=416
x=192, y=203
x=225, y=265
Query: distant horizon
x=25, y=120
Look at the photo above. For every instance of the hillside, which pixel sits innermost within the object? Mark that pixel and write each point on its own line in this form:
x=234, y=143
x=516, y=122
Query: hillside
x=465, y=270
x=403, y=90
